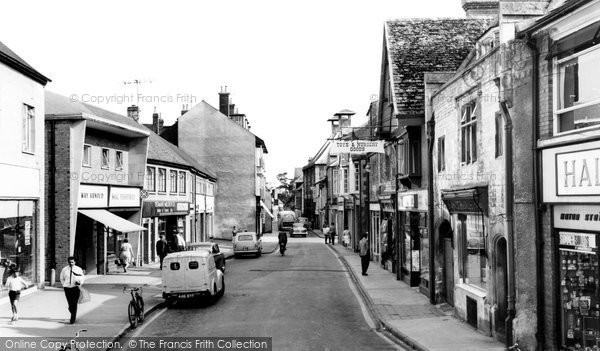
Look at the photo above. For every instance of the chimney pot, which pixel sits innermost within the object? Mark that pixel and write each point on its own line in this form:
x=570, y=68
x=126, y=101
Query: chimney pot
x=224, y=102
x=133, y=112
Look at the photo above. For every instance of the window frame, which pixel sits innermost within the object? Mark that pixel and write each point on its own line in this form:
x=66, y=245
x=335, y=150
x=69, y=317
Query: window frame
x=161, y=186
x=499, y=137
x=105, y=162
x=345, y=180
x=468, y=132
x=441, y=150
x=356, y=176
x=89, y=160
x=182, y=184
x=119, y=165
x=556, y=66
x=483, y=260
x=151, y=176
x=28, y=130
x=173, y=181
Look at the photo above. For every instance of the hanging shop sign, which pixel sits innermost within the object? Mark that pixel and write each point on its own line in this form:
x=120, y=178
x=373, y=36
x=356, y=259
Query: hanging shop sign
x=359, y=147
x=578, y=242
x=92, y=196
x=124, y=197
x=578, y=217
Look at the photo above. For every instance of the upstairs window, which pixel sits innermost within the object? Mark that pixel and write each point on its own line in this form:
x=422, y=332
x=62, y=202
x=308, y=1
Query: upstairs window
x=578, y=100
x=105, y=162
x=119, y=160
x=182, y=182
x=173, y=181
x=499, y=132
x=468, y=132
x=86, y=160
x=356, y=176
x=210, y=191
x=151, y=179
x=162, y=180
x=346, y=182
x=28, y=129
x=441, y=150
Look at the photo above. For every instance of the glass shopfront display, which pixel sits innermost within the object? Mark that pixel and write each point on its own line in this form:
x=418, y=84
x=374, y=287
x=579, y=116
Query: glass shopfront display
x=579, y=291
x=18, y=237
x=413, y=230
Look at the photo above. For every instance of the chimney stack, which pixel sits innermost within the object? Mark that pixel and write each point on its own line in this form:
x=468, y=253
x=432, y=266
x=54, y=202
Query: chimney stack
x=157, y=122
x=184, y=109
x=133, y=112
x=341, y=121
x=232, y=109
x=224, y=101
x=481, y=8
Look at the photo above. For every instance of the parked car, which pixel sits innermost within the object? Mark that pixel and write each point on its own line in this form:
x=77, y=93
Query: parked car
x=298, y=229
x=213, y=248
x=191, y=274
x=247, y=243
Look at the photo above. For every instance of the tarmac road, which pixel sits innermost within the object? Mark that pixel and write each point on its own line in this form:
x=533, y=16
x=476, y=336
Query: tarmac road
x=303, y=300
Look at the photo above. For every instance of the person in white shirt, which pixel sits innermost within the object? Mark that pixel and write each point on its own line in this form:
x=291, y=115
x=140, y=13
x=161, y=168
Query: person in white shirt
x=71, y=278
x=15, y=284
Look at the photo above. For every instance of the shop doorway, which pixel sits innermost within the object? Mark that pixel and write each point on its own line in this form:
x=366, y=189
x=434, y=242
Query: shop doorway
x=445, y=234
x=500, y=273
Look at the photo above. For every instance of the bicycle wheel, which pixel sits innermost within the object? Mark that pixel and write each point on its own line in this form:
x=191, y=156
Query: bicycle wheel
x=133, y=320
x=141, y=315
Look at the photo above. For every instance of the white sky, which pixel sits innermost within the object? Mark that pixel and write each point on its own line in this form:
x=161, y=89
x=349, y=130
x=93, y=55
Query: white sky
x=289, y=65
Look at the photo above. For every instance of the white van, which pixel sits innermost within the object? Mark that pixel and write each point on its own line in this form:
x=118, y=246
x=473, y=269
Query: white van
x=191, y=274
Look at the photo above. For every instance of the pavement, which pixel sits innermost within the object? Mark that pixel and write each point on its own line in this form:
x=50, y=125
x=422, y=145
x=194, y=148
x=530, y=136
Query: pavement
x=407, y=314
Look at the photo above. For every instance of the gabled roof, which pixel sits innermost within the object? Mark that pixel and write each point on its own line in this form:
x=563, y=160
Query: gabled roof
x=9, y=58
x=556, y=9
x=415, y=46
x=59, y=106
x=164, y=152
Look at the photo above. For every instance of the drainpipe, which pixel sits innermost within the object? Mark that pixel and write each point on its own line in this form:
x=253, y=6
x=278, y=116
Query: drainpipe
x=52, y=201
x=508, y=224
x=430, y=209
x=539, y=240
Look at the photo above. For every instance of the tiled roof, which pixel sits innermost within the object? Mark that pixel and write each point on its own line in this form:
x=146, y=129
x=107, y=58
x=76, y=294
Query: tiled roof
x=416, y=46
x=8, y=57
x=58, y=105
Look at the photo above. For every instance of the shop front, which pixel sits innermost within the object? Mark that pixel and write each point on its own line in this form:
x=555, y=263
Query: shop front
x=18, y=237
x=413, y=246
x=572, y=188
x=106, y=216
x=166, y=218
x=387, y=233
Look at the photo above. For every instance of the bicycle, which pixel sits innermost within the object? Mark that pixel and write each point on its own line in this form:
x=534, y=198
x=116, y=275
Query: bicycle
x=136, y=306
x=515, y=347
x=68, y=345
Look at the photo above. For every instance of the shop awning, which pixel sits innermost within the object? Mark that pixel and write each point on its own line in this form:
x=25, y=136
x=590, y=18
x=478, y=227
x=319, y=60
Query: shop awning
x=113, y=221
x=473, y=200
x=266, y=209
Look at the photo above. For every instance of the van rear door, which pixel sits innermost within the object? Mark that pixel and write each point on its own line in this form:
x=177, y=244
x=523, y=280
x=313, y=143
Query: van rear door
x=173, y=274
x=195, y=273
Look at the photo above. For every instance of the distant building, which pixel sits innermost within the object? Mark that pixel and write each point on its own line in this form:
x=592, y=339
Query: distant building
x=221, y=140
x=22, y=209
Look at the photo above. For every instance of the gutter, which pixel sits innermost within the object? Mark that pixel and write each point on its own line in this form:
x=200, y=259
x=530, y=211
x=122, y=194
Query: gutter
x=509, y=221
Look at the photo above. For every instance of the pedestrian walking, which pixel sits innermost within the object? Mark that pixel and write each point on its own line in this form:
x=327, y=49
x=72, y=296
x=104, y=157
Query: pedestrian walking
x=332, y=233
x=326, y=233
x=126, y=254
x=234, y=232
x=346, y=238
x=363, y=246
x=162, y=248
x=15, y=284
x=71, y=278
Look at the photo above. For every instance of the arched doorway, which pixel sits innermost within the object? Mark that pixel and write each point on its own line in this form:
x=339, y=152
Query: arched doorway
x=501, y=287
x=447, y=243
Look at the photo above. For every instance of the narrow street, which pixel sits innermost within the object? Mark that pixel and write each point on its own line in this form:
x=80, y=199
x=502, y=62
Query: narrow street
x=302, y=300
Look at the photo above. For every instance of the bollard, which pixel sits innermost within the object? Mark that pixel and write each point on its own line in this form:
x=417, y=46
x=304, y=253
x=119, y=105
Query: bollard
x=52, y=276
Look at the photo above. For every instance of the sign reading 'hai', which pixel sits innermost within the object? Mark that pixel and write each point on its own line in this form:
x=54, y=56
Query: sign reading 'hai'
x=357, y=146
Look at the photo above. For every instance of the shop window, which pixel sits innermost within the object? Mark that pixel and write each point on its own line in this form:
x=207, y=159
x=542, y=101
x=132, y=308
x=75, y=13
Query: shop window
x=474, y=259
x=499, y=132
x=468, y=132
x=162, y=180
x=87, y=156
x=173, y=181
x=441, y=150
x=105, y=162
x=119, y=160
x=374, y=239
x=18, y=233
x=151, y=179
x=182, y=180
x=28, y=129
x=578, y=93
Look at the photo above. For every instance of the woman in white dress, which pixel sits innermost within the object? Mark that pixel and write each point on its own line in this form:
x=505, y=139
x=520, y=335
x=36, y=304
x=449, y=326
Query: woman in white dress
x=126, y=254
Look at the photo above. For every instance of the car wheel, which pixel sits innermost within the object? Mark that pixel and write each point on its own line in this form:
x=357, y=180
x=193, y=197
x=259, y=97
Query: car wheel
x=222, y=292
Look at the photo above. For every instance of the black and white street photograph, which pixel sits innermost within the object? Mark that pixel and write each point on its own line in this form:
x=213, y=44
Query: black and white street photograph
x=280, y=175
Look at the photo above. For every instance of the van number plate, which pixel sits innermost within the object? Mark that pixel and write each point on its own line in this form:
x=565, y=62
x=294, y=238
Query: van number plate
x=186, y=296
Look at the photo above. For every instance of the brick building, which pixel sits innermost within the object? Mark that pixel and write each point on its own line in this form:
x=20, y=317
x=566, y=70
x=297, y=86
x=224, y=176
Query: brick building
x=95, y=170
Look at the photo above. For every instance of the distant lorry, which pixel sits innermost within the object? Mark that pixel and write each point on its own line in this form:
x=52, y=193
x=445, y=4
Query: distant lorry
x=287, y=220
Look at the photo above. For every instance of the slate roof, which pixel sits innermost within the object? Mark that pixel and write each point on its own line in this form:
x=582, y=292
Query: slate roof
x=416, y=46
x=59, y=105
x=9, y=58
